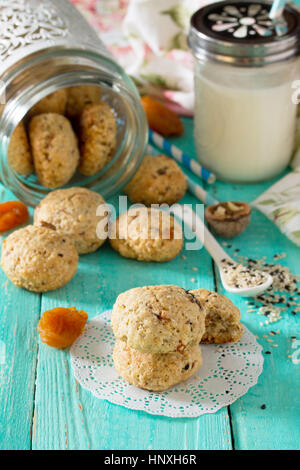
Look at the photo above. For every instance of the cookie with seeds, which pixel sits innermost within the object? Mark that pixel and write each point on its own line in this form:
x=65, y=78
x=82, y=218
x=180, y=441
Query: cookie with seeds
x=222, y=321
x=54, y=149
x=156, y=372
x=38, y=259
x=97, y=136
x=19, y=154
x=73, y=212
x=158, y=180
x=79, y=96
x=146, y=235
x=54, y=103
x=158, y=319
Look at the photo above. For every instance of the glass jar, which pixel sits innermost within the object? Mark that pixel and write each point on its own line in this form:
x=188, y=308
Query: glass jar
x=46, y=46
x=245, y=66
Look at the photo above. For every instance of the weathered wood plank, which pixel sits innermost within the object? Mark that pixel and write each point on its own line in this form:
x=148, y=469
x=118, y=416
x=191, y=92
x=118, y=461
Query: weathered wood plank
x=66, y=416
x=276, y=426
x=19, y=311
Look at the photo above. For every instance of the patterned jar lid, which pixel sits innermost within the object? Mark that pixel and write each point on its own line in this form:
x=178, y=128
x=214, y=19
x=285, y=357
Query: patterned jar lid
x=242, y=33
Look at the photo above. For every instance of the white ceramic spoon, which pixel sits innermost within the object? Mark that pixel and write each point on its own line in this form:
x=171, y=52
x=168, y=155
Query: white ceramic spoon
x=191, y=219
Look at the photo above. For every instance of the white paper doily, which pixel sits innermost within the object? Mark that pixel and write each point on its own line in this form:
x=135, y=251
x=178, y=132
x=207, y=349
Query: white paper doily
x=228, y=371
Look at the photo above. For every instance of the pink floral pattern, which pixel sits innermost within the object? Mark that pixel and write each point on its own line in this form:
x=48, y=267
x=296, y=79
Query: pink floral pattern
x=148, y=39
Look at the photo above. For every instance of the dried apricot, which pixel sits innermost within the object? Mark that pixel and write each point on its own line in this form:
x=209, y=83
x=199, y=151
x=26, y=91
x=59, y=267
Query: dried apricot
x=160, y=118
x=12, y=214
x=60, y=327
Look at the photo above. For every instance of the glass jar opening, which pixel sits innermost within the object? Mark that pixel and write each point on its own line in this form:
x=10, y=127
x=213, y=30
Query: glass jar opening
x=46, y=72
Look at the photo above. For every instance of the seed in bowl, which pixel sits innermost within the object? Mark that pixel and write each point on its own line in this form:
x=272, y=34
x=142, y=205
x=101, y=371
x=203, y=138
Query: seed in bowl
x=228, y=219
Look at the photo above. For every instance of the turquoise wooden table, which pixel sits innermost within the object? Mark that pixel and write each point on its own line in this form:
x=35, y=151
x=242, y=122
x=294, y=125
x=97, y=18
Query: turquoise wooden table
x=42, y=406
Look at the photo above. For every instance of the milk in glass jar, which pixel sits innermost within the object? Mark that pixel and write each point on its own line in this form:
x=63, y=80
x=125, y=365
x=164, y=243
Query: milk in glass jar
x=46, y=46
x=245, y=68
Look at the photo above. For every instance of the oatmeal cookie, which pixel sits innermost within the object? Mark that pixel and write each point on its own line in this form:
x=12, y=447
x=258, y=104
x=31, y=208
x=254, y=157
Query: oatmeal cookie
x=97, y=136
x=54, y=103
x=38, y=259
x=79, y=96
x=156, y=371
x=158, y=180
x=73, y=212
x=147, y=235
x=222, y=323
x=19, y=154
x=54, y=148
x=158, y=319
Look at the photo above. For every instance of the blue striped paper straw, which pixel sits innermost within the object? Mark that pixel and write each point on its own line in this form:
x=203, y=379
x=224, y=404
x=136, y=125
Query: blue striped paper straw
x=193, y=187
x=277, y=9
x=181, y=157
x=200, y=193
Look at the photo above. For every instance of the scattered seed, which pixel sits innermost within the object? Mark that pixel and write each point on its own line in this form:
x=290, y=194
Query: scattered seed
x=240, y=276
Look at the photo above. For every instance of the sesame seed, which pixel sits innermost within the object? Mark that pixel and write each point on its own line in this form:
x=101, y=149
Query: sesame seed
x=277, y=299
x=240, y=276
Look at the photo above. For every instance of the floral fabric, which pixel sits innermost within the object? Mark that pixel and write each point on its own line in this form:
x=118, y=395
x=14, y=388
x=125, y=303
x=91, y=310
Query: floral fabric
x=148, y=38
x=281, y=204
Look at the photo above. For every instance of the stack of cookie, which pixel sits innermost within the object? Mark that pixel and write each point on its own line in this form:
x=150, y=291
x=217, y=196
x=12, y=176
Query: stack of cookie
x=158, y=331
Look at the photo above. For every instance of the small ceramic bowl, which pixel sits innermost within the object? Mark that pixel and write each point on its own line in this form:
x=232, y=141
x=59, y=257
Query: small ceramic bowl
x=228, y=219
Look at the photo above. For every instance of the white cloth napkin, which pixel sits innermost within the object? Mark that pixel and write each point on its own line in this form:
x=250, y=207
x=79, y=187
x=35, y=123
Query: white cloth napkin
x=296, y=158
x=281, y=204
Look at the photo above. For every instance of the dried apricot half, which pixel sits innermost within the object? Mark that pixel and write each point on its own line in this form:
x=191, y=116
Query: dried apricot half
x=160, y=118
x=12, y=214
x=60, y=327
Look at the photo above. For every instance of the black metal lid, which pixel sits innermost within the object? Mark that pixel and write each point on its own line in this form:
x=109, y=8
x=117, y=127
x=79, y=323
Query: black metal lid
x=241, y=33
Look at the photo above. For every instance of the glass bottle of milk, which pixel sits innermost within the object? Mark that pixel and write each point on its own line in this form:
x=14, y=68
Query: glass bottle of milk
x=246, y=72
